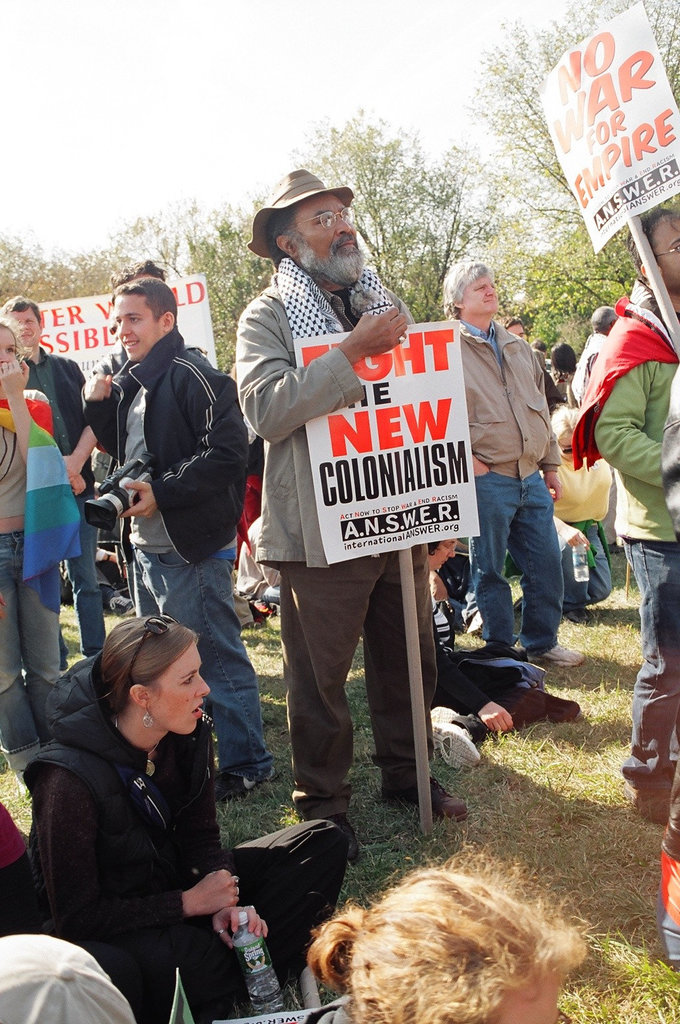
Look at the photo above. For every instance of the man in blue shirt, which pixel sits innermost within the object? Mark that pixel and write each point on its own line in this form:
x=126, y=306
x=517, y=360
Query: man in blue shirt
x=512, y=445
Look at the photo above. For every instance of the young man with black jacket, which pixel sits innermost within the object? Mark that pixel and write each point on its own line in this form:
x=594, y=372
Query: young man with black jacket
x=169, y=401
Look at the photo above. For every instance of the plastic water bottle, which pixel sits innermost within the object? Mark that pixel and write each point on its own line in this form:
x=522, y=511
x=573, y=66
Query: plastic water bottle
x=579, y=554
x=260, y=977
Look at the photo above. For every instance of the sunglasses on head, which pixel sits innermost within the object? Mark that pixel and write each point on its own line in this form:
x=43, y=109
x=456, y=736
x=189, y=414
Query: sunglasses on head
x=155, y=625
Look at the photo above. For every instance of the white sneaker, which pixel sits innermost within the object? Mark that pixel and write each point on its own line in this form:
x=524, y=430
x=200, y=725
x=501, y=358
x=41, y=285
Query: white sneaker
x=452, y=741
x=558, y=655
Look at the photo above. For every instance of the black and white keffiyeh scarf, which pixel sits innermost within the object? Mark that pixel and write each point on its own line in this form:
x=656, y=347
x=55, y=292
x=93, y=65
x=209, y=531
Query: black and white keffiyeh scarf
x=308, y=310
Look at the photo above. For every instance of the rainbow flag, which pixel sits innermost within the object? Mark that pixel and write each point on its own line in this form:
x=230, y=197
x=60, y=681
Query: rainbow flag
x=51, y=517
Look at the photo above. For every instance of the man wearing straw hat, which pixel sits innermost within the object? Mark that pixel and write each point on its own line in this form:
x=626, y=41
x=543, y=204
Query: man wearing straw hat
x=321, y=286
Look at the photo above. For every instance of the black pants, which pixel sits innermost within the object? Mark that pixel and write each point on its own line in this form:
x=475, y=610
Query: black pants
x=20, y=915
x=19, y=912
x=291, y=877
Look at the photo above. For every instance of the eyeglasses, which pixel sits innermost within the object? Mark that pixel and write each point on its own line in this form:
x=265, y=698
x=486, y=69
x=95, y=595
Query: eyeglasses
x=669, y=252
x=156, y=625
x=328, y=219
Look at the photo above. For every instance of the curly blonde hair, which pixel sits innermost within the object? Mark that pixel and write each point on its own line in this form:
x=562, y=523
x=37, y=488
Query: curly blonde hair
x=442, y=947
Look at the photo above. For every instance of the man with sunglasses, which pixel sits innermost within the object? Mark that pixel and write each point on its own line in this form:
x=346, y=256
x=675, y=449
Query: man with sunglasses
x=623, y=414
x=321, y=287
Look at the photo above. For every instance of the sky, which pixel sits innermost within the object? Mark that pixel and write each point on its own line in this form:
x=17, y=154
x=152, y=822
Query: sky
x=116, y=109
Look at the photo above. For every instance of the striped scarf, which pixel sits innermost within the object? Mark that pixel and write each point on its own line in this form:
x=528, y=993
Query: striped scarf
x=51, y=516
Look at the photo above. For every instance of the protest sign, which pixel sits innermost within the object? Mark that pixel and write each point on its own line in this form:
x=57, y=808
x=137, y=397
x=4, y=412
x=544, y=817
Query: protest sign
x=79, y=328
x=615, y=124
x=279, y=1017
x=395, y=469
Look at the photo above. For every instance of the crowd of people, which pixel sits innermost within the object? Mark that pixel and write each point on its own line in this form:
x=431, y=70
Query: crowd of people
x=117, y=751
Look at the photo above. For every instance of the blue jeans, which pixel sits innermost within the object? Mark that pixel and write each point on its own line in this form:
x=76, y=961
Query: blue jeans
x=200, y=595
x=272, y=595
x=578, y=594
x=87, y=598
x=517, y=516
x=656, y=697
x=29, y=640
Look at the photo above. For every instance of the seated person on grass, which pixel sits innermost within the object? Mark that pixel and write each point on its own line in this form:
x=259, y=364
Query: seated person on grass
x=492, y=684
x=444, y=947
x=578, y=520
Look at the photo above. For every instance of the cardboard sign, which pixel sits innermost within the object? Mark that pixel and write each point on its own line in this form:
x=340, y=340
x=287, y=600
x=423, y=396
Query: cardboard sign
x=79, y=328
x=279, y=1017
x=395, y=469
x=615, y=124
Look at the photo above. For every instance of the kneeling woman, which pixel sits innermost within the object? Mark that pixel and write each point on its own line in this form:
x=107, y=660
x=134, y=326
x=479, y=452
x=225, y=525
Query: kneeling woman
x=126, y=834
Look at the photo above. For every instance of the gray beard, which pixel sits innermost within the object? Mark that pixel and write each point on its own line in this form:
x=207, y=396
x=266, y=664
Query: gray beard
x=341, y=268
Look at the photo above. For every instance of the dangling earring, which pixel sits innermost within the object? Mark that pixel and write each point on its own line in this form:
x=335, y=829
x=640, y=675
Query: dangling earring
x=147, y=719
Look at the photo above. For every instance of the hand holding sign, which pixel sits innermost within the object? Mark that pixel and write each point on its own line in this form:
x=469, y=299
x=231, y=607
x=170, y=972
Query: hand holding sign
x=374, y=335
x=393, y=470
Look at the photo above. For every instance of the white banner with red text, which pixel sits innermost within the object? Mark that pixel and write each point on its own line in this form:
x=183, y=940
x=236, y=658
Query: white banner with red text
x=79, y=328
x=615, y=124
x=395, y=469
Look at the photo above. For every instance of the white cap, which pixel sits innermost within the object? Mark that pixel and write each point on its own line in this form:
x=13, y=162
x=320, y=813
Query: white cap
x=46, y=981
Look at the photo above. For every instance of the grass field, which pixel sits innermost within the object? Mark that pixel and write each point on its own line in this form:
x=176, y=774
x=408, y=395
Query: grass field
x=548, y=799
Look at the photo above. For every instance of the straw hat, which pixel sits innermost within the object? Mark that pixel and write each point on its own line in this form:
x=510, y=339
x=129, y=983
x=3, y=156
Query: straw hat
x=295, y=187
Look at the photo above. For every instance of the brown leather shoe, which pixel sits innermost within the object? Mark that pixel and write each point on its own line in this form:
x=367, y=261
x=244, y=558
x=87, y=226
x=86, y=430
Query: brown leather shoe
x=443, y=804
x=653, y=804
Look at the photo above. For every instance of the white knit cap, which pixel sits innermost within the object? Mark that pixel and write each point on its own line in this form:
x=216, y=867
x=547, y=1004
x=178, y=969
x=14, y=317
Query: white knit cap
x=47, y=981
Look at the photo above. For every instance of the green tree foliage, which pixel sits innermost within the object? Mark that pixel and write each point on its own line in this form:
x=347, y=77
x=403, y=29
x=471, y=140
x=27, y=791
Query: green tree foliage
x=234, y=275
x=543, y=254
x=165, y=237
x=511, y=83
x=415, y=215
x=25, y=269
x=188, y=240
x=568, y=282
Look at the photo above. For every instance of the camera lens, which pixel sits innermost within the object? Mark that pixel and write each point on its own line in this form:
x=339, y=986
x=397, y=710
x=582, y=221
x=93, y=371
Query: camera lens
x=102, y=513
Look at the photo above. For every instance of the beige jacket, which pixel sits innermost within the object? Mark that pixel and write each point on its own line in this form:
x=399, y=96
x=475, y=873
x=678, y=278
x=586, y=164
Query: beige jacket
x=510, y=427
x=278, y=399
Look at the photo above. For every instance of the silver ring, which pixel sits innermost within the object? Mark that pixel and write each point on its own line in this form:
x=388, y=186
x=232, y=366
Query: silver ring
x=221, y=931
x=236, y=879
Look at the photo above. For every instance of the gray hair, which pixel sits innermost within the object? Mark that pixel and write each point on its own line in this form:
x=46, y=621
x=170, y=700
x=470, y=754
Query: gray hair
x=603, y=318
x=564, y=422
x=460, y=275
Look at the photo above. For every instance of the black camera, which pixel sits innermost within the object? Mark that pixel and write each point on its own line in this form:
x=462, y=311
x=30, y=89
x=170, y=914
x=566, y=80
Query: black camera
x=114, y=497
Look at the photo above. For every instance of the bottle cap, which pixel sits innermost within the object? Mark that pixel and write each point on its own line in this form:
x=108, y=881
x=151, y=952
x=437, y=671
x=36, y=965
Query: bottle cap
x=243, y=917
